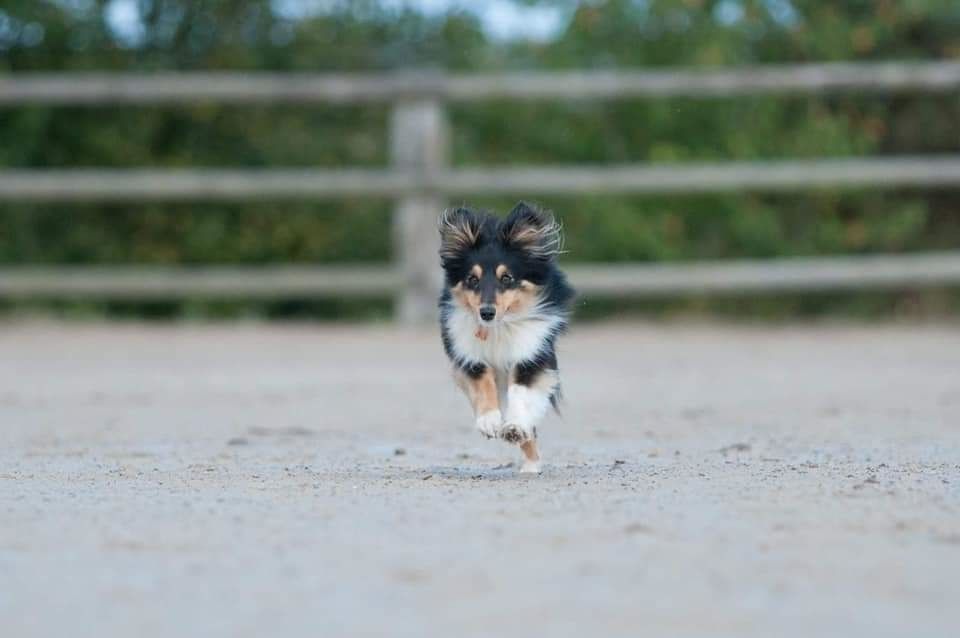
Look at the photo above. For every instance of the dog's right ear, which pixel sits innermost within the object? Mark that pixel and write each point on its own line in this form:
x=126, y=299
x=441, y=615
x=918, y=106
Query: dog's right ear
x=459, y=231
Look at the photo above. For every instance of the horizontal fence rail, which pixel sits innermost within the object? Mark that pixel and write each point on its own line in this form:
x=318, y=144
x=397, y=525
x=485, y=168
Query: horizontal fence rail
x=633, y=280
x=151, y=283
x=199, y=184
x=771, y=275
x=251, y=87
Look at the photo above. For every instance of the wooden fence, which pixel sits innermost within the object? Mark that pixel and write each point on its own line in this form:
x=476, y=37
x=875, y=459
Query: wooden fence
x=420, y=179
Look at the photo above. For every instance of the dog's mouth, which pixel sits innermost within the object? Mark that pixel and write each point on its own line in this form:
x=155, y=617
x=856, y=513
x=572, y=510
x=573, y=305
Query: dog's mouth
x=485, y=325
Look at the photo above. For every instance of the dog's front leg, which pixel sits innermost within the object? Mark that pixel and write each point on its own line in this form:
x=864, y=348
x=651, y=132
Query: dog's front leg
x=479, y=384
x=528, y=399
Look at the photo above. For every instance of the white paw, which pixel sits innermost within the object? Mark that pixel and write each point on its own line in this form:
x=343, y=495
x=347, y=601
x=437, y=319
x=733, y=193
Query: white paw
x=489, y=424
x=531, y=467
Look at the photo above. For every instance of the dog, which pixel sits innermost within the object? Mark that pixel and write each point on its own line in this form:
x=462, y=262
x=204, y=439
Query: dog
x=504, y=304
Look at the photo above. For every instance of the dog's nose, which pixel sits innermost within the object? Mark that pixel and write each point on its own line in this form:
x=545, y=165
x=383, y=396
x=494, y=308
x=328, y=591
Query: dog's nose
x=487, y=313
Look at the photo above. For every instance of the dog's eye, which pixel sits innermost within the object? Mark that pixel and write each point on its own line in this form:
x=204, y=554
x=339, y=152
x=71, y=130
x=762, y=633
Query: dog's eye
x=472, y=282
x=507, y=279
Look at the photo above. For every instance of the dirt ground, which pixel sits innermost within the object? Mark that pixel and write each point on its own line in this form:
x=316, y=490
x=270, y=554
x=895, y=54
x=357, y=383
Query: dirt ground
x=301, y=480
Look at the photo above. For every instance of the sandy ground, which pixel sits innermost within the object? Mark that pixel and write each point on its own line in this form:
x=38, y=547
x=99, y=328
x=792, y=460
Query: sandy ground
x=317, y=481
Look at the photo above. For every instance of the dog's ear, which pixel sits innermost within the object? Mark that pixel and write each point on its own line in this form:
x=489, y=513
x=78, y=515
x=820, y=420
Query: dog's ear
x=459, y=231
x=532, y=230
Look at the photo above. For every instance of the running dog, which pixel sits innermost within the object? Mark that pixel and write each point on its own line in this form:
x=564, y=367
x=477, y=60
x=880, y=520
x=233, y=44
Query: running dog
x=504, y=304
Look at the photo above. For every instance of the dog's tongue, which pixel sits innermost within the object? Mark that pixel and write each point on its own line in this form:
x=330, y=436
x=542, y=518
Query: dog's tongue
x=482, y=333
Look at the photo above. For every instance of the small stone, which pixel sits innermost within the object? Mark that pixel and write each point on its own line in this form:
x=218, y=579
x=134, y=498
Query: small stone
x=637, y=528
x=736, y=447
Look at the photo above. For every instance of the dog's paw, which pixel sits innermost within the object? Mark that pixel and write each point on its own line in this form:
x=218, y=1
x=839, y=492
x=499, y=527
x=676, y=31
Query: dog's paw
x=531, y=467
x=517, y=434
x=489, y=424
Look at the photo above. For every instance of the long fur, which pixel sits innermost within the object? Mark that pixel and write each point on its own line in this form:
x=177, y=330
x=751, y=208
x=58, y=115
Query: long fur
x=459, y=231
x=520, y=345
x=533, y=231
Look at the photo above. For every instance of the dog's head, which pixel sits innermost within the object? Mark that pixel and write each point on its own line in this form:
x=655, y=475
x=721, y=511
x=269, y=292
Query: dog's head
x=495, y=268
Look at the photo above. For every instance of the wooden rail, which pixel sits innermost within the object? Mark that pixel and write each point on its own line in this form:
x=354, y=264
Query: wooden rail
x=151, y=283
x=771, y=275
x=224, y=185
x=611, y=280
x=126, y=88
x=421, y=179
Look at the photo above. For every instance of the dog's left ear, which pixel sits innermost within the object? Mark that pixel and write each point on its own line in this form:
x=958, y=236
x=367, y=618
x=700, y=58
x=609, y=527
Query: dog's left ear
x=532, y=230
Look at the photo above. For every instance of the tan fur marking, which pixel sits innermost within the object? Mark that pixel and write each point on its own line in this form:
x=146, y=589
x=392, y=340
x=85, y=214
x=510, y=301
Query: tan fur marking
x=517, y=299
x=477, y=271
x=501, y=269
x=529, y=449
x=527, y=235
x=469, y=299
x=481, y=391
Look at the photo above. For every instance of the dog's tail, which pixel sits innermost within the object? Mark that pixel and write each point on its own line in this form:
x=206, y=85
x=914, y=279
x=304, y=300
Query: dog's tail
x=555, y=400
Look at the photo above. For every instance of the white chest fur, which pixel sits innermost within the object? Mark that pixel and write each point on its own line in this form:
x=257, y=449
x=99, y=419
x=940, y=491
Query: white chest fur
x=508, y=342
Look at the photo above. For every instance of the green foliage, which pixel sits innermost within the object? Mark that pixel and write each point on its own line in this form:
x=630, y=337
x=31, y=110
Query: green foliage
x=365, y=36
x=195, y=234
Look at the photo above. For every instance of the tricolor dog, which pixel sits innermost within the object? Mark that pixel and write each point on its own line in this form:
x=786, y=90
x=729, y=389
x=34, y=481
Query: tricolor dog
x=504, y=304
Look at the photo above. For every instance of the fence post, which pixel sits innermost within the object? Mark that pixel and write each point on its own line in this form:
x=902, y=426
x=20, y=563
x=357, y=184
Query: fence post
x=418, y=141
